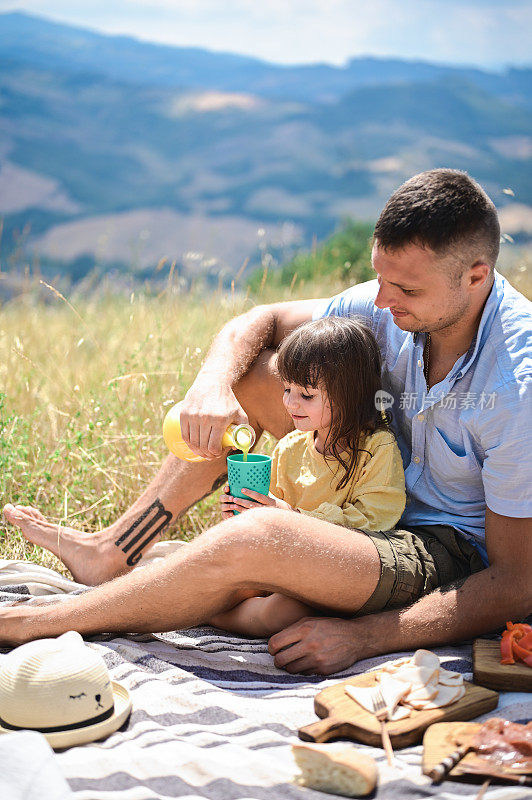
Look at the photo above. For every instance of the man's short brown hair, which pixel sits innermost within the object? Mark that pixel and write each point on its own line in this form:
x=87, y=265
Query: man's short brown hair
x=445, y=210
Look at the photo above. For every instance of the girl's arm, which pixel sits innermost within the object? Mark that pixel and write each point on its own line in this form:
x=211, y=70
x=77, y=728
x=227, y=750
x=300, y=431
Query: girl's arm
x=256, y=500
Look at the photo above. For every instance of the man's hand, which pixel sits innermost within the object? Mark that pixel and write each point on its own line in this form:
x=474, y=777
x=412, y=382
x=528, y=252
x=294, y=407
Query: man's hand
x=210, y=405
x=316, y=645
x=257, y=500
x=207, y=411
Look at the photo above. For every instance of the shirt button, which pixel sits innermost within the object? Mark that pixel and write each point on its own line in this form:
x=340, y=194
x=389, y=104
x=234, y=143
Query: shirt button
x=419, y=363
x=421, y=417
x=416, y=459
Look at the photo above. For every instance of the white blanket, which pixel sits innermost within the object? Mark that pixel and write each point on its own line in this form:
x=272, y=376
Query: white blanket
x=213, y=718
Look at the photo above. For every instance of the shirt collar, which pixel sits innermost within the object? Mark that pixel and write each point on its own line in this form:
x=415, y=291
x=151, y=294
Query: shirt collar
x=489, y=311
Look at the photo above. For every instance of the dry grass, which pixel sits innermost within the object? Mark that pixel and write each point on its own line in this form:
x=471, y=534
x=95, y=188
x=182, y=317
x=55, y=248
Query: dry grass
x=85, y=383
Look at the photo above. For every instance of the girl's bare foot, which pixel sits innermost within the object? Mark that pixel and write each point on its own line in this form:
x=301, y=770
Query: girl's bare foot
x=92, y=558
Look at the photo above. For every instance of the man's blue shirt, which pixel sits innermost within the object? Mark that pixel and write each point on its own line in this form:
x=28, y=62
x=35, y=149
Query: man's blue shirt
x=467, y=443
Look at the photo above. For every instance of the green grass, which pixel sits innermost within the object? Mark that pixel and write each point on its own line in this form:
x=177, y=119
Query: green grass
x=86, y=381
x=345, y=257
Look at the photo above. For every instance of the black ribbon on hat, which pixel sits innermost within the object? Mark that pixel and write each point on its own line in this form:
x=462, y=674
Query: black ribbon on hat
x=58, y=728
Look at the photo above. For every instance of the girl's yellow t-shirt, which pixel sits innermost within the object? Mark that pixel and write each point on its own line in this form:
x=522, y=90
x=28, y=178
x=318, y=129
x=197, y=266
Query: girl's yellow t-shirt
x=374, y=498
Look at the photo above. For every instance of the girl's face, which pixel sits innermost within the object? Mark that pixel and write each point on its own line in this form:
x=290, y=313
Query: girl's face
x=308, y=407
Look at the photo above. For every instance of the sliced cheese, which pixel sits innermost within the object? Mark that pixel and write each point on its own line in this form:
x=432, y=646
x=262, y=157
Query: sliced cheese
x=401, y=712
x=424, y=658
x=362, y=696
x=417, y=682
x=418, y=676
x=445, y=696
x=428, y=684
x=392, y=666
x=448, y=678
x=392, y=691
x=427, y=692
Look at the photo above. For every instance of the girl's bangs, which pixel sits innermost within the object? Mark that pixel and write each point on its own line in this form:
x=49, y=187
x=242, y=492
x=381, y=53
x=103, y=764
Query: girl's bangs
x=299, y=365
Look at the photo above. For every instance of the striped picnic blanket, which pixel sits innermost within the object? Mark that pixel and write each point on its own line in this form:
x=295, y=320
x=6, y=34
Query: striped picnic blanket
x=213, y=718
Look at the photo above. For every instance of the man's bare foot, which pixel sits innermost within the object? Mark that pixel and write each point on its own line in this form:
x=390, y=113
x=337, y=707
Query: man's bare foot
x=92, y=558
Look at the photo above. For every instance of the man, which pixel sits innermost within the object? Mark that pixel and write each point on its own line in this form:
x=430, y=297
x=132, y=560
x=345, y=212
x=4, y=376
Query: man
x=455, y=343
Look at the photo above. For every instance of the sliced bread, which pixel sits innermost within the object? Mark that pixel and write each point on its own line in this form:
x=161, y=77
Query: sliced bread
x=340, y=770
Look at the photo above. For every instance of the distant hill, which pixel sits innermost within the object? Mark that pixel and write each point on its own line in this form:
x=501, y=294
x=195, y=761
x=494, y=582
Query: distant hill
x=119, y=152
x=122, y=58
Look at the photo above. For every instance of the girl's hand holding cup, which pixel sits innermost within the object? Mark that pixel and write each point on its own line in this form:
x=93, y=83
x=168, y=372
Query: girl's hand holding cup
x=230, y=504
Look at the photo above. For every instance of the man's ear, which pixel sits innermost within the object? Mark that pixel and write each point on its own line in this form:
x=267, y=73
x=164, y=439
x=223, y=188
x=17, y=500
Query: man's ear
x=479, y=274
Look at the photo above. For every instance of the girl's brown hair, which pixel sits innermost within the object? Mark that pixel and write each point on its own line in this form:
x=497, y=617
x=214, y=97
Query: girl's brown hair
x=341, y=357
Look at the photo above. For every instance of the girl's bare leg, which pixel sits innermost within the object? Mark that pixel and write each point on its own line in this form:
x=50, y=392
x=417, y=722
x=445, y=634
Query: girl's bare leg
x=263, y=616
x=94, y=558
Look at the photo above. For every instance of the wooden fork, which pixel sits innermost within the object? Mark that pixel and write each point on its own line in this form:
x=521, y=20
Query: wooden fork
x=381, y=712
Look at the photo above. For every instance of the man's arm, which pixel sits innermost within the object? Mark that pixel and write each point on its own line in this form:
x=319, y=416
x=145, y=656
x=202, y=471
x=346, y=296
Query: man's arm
x=467, y=608
x=210, y=404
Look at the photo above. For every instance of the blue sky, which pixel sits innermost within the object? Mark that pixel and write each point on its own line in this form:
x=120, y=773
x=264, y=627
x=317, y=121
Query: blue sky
x=480, y=32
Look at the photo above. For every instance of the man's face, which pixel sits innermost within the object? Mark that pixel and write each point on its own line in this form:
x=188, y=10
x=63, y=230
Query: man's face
x=421, y=295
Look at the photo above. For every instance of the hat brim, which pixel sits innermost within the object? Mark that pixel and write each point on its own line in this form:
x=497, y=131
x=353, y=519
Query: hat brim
x=92, y=733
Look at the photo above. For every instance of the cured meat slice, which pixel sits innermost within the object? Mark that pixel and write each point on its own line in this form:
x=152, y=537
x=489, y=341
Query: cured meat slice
x=505, y=742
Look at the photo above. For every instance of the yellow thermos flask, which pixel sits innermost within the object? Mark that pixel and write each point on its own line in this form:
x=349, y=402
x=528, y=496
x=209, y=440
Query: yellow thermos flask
x=241, y=437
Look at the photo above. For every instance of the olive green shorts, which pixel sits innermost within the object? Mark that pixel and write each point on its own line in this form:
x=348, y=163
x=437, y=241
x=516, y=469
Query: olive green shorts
x=417, y=560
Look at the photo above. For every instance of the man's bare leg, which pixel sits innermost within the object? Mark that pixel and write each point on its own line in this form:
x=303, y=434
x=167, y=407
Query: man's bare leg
x=94, y=558
x=313, y=561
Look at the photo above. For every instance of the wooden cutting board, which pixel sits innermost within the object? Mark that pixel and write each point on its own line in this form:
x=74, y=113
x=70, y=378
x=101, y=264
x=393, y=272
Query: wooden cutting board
x=343, y=718
x=442, y=739
x=488, y=670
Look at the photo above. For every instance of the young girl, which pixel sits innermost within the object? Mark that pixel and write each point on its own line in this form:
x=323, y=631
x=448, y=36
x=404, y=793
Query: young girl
x=340, y=464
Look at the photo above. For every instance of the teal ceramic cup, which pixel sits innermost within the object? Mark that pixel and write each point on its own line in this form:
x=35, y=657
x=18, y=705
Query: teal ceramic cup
x=255, y=473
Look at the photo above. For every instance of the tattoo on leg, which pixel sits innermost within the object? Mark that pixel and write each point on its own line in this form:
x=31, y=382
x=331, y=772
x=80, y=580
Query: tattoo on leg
x=152, y=515
x=216, y=485
x=219, y=482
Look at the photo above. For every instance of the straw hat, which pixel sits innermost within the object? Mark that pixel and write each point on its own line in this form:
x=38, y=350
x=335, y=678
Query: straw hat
x=61, y=688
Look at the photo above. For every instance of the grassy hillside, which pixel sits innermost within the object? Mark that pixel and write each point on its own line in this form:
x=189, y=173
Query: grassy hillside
x=86, y=382
x=85, y=387
x=345, y=258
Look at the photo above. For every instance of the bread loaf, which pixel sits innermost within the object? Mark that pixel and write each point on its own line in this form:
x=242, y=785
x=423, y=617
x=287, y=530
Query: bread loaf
x=336, y=769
